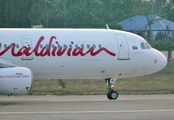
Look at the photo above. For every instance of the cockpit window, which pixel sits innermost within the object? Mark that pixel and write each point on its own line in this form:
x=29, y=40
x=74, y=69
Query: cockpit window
x=148, y=46
x=143, y=45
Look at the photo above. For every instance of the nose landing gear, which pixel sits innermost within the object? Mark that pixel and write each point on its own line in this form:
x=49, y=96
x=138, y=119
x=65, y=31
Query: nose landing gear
x=112, y=94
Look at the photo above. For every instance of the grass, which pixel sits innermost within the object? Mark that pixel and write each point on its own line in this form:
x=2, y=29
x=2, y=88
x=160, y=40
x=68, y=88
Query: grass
x=158, y=83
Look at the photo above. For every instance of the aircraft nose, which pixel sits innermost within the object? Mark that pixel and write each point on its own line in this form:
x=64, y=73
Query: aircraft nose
x=161, y=60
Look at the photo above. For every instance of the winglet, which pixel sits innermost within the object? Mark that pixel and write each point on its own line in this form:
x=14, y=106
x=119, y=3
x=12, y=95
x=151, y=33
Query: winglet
x=107, y=27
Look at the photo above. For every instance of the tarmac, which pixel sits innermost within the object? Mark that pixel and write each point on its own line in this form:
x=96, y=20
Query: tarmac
x=87, y=107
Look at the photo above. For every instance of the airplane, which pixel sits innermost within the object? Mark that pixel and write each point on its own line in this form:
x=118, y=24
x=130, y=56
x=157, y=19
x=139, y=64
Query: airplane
x=28, y=54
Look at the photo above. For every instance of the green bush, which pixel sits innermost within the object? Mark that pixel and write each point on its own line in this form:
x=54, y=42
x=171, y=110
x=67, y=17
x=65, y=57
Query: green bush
x=164, y=45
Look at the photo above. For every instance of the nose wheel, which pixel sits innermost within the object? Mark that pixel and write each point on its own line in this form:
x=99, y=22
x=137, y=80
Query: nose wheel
x=112, y=94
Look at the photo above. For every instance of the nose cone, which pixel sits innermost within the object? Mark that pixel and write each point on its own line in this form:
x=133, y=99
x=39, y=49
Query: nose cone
x=160, y=61
x=163, y=61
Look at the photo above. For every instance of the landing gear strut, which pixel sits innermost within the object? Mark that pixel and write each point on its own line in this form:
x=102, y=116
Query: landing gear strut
x=112, y=94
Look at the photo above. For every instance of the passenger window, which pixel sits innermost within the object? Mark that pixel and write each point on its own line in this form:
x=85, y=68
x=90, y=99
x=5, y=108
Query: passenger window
x=76, y=46
x=94, y=46
x=47, y=46
x=88, y=46
x=99, y=46
x=143, y=45
x=82, y=46
x=17, y=46
x=58, y=46
x=52, y=45
x=70, y=46
x=148, y=46
x=41, y=46
x=11, y=46
x=64, y=46
x=5, y=46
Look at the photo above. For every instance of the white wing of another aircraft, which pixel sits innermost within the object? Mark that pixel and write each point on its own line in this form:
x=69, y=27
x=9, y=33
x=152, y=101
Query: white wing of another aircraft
x=73, y=54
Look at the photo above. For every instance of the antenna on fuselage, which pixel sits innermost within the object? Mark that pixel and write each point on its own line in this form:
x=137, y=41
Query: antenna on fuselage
x=107, y=27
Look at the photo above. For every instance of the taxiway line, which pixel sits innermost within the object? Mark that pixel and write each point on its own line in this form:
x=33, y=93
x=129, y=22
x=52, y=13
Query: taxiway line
x=87, y=112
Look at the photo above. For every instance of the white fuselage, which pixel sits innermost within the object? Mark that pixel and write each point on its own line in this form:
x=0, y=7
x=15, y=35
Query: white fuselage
x=79, y=53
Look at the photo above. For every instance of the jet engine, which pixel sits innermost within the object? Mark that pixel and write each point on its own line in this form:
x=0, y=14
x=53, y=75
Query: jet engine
x=15, y=80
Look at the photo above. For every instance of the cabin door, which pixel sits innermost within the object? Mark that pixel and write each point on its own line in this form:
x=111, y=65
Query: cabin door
x=123, y=48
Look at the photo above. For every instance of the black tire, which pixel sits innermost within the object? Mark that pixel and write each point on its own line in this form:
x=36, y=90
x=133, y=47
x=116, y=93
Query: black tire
x=108, y=95
x=112, y=95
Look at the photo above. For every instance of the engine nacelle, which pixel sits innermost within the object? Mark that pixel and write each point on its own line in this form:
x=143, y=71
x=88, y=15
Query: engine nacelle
x=15, y=80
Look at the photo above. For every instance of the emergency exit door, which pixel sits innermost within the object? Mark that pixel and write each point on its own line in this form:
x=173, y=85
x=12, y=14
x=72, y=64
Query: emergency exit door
x=27, y=48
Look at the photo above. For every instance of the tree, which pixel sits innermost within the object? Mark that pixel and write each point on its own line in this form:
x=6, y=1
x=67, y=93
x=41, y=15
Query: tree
x=158, y=6
x=69, y=13
x=15, y=13
x=77, y=13
x=169, y=10
x=2, y=7
x=41, y=11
